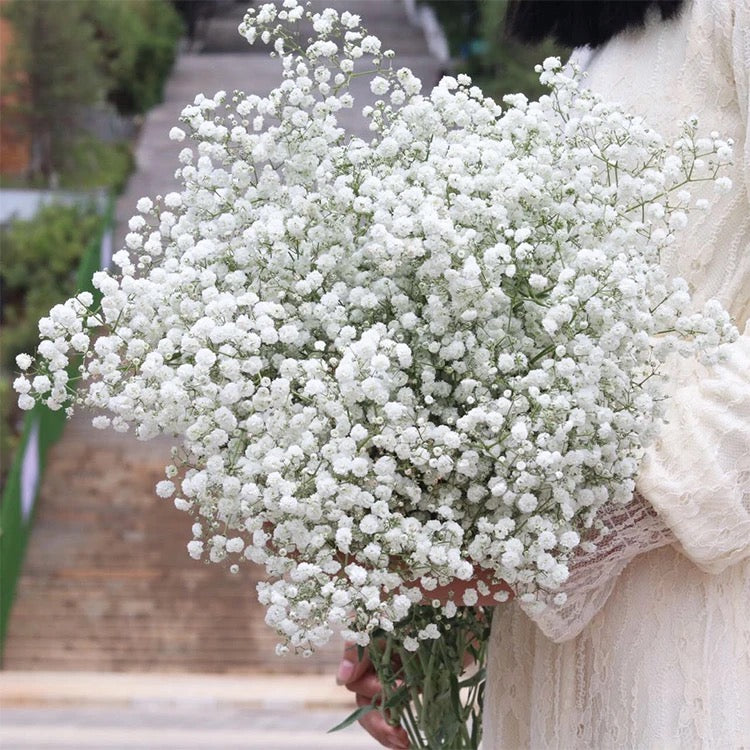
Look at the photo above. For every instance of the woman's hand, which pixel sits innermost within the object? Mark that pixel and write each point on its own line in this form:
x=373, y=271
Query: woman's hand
x=358, y=675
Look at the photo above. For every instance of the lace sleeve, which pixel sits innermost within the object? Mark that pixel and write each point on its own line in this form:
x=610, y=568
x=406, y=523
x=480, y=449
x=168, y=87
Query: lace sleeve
x=740, y=52
x=697, y=474
x=697, y=479
x=632, y=529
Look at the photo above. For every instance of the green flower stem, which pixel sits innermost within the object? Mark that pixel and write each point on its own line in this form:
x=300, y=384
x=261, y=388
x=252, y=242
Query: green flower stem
x=426, y=691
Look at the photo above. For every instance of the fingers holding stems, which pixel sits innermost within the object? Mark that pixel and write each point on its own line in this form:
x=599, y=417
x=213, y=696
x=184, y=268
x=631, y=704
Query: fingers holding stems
x=358, y=675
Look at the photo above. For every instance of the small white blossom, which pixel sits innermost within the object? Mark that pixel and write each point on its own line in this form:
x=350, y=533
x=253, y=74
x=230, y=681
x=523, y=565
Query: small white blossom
x=144, y=205
x=398, y=359
x=165, y=488
x=23, y=361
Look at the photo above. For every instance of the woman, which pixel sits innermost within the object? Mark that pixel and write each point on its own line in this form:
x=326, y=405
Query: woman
x=653, y=648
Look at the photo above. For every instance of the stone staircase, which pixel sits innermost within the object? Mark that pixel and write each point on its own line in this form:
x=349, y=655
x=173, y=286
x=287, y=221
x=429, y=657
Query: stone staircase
x=107, y=583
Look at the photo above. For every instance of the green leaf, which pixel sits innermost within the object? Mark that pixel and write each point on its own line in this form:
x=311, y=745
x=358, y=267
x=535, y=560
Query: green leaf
x=356, y=716
x=397, y=698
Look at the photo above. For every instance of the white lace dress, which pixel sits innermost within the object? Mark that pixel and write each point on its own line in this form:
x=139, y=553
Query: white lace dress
x=653, y=649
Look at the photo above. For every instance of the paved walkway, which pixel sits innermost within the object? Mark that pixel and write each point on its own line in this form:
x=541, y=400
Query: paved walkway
x=199, y=727
x=98, y=711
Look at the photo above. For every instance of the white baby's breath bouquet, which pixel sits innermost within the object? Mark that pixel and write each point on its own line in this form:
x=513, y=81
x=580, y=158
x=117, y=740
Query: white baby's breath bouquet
x=396, y=361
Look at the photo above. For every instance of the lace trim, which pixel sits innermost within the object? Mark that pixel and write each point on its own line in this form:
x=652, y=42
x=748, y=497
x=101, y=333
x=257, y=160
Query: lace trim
x=633, y=529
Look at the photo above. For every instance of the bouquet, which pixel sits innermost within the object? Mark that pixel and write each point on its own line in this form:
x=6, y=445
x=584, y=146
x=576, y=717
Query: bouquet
x=392, y=363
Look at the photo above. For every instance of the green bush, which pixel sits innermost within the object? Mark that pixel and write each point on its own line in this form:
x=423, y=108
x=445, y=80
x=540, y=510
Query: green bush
x=51, y=74
x=40, y=260
x=68, y=57
x=475, y=30
x=138, y=42
x=41, y=257
x=91, y=163
x=9, y=425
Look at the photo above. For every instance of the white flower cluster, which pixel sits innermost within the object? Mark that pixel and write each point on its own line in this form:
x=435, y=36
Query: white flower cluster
x=400, y=359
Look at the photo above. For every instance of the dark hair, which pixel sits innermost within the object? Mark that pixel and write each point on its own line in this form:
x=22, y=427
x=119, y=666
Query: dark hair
x=575, y=23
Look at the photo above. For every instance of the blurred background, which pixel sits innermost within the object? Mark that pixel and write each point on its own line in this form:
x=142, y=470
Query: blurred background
x=111, y=636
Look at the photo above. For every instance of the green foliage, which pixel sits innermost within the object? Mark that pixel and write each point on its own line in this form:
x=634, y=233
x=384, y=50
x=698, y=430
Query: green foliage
x=138, y=40
x=91, y=163
x=40, y=259
x=9, y=417
x=499, y=65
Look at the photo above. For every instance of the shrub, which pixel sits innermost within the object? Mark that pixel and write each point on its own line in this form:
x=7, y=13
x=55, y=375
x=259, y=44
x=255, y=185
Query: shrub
x=40, y=259
x=92, y=163
x=66, y=58
x=51, y=74
x=10, y=419
x=138, y=42
x=475, y=30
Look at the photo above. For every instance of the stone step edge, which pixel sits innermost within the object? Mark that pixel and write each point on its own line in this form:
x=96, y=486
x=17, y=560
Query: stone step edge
x=258, y=690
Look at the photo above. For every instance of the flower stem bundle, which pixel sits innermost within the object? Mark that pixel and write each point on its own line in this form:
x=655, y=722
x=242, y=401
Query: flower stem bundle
x=436, y=692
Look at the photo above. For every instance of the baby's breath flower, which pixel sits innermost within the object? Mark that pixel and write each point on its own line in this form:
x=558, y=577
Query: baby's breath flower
x=144, y=205
x=437, y=348
x=165, y=488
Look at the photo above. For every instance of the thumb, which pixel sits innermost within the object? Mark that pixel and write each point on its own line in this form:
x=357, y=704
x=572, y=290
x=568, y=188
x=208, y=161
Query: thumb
x=352, y=667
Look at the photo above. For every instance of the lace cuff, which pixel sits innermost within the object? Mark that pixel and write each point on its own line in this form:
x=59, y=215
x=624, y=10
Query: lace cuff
x=697, y=474
x=634, y=528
